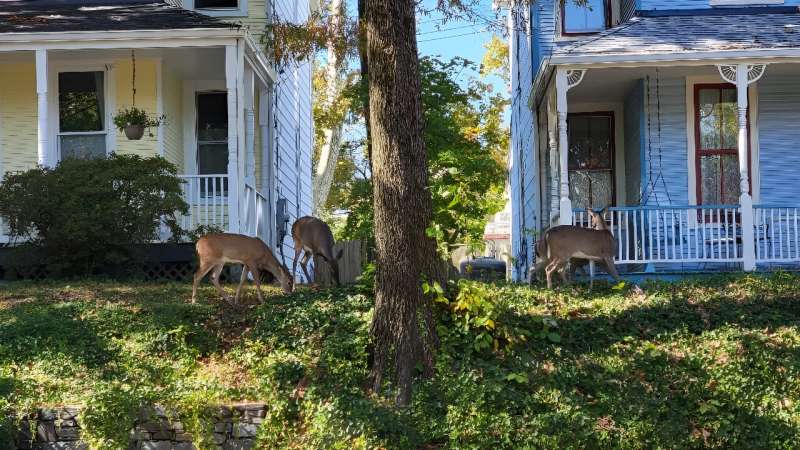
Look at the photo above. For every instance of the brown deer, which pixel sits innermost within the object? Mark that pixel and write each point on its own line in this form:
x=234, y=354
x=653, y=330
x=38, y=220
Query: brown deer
x=566, y=242
x=313, y=237
x=215, y=250
x=542, y=261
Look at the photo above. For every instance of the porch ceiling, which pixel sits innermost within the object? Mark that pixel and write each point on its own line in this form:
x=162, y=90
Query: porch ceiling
x=607, y=85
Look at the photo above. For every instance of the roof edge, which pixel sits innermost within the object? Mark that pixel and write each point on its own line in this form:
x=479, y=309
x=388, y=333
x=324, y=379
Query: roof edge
x=738, y=11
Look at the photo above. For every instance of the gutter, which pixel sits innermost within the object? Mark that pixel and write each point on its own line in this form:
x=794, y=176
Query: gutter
x=695, y=57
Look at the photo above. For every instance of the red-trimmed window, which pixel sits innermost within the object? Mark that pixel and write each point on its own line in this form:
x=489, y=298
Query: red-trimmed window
x=716, y=144
x=584, y=17
x=591, y=159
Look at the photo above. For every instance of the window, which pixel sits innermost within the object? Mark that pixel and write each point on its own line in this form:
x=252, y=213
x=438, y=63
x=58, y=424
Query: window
x=591, y=159
x=716, y=141
x=212, y=137
x=81, y=115
x=580, y=18
x=216, y=3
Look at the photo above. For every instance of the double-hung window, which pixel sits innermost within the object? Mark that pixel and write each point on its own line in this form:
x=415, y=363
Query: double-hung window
x=212, y=140
x=82, y=127
x=716, y=144
x=584, y=16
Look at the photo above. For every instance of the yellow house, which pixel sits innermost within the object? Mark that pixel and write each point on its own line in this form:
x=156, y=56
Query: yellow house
x=238, y=128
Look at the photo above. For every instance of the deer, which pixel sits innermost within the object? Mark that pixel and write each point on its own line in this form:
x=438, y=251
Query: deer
x=312, y=237
x=566, y=242
x=216, y=250
x=542, y=261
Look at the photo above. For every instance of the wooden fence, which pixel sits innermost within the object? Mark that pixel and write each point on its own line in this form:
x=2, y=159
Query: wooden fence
x=354, y=255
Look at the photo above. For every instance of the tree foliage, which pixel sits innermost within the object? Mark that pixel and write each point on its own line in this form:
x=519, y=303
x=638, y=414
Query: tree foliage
x=467, y=145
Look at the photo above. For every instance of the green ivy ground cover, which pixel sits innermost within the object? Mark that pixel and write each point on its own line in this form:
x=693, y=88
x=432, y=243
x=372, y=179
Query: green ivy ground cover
x=711, y=363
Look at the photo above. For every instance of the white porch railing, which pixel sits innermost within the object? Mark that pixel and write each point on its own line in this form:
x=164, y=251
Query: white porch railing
x=777, y=233
x=255, y=211
x=207, y=196
x=674, y=234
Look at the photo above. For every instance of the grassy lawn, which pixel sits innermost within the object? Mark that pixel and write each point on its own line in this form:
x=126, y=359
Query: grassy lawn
x=713, y=363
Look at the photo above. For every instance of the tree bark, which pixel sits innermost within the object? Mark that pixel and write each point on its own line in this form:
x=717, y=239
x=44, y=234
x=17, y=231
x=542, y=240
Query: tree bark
x=402, y=202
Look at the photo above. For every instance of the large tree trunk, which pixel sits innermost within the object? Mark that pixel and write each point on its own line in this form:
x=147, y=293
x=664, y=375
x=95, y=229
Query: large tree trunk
x=401, y=200
x=329, y=153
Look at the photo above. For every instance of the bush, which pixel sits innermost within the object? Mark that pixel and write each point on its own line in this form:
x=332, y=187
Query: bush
x=86, y=216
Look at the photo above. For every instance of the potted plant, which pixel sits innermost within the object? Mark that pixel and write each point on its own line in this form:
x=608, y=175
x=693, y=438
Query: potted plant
x=133, y=121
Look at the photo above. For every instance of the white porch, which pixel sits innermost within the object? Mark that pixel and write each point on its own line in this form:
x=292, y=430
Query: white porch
x=657, y=151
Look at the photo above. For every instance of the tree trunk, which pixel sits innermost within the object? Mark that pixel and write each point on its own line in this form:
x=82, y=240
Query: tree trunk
x=402, y=202
x=329, y=154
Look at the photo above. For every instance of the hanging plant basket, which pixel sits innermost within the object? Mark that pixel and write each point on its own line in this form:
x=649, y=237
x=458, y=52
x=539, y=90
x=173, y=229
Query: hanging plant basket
x=134, y=132
x=133, y=121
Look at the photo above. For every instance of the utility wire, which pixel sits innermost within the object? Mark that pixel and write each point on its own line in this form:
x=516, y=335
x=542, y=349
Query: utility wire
x=454, y=36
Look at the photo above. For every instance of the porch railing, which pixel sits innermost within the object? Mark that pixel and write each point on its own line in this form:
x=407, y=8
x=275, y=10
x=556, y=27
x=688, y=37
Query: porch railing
x=255, y=212
x=209, y=204
x=674, y=234
x=777, y=233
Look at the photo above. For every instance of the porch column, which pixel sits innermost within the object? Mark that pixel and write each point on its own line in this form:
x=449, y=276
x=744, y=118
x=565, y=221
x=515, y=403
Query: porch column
x=745, y=199
x=232, y=75
x=250, y=126
x=743, y=75
x=565, y=80
x=41, y=92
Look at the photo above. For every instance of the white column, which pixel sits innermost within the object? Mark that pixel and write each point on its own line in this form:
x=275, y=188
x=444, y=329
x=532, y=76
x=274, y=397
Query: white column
x=266, y=163
x=565, y=204
x=43, y=143
x=231, y=82
x=250, y=126
x=745, y=199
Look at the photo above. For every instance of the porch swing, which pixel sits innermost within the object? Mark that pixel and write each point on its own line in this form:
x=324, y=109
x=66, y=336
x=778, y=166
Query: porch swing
x=133, y=121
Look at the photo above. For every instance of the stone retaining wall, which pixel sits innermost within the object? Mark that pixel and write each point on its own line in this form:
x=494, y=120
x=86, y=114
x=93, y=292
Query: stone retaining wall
x=234, y=428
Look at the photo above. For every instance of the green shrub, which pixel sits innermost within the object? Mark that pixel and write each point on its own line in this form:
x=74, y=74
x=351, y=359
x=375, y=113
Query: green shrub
x=84, y=216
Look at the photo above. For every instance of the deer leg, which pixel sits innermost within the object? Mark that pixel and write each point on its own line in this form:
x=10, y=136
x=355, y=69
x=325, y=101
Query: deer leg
x=215, y=279
x=201, y=272
x=611, y=268
x=245, y=270
x=551, y=267
x=562, y=272
x=304, y=266
x=257, y=276
x=297, y=250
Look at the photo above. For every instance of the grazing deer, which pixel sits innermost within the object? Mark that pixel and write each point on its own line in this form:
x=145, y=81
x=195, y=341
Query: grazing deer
x=566, y=242
x=540, y=252
x=215, y=250
x=315, y=238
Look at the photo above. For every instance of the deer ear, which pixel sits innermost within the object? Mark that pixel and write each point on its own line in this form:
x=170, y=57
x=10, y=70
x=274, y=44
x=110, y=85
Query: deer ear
x=589, y=210
x=604, y=212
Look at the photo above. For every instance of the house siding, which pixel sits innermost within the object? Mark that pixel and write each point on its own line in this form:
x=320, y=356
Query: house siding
x=779, y=159
x=18, y=117
x=634, y=134
x=146, y=98
x=668, y=182
x=173, y=110
x=293, y=129
x=543, y=31
x=523, y=160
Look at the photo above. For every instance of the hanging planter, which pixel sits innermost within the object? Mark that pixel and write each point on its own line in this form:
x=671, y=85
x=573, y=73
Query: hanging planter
x=133, y=121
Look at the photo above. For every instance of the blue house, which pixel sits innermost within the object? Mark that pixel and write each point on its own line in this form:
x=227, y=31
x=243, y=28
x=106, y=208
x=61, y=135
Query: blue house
x=683, y=116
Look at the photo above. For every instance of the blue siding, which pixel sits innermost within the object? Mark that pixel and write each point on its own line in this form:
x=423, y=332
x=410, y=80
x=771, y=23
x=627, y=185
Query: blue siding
x=524, y=167
x=544, y=30
x=779, y=160
x=634, y=136
x=690, y=4
x=668, y=181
